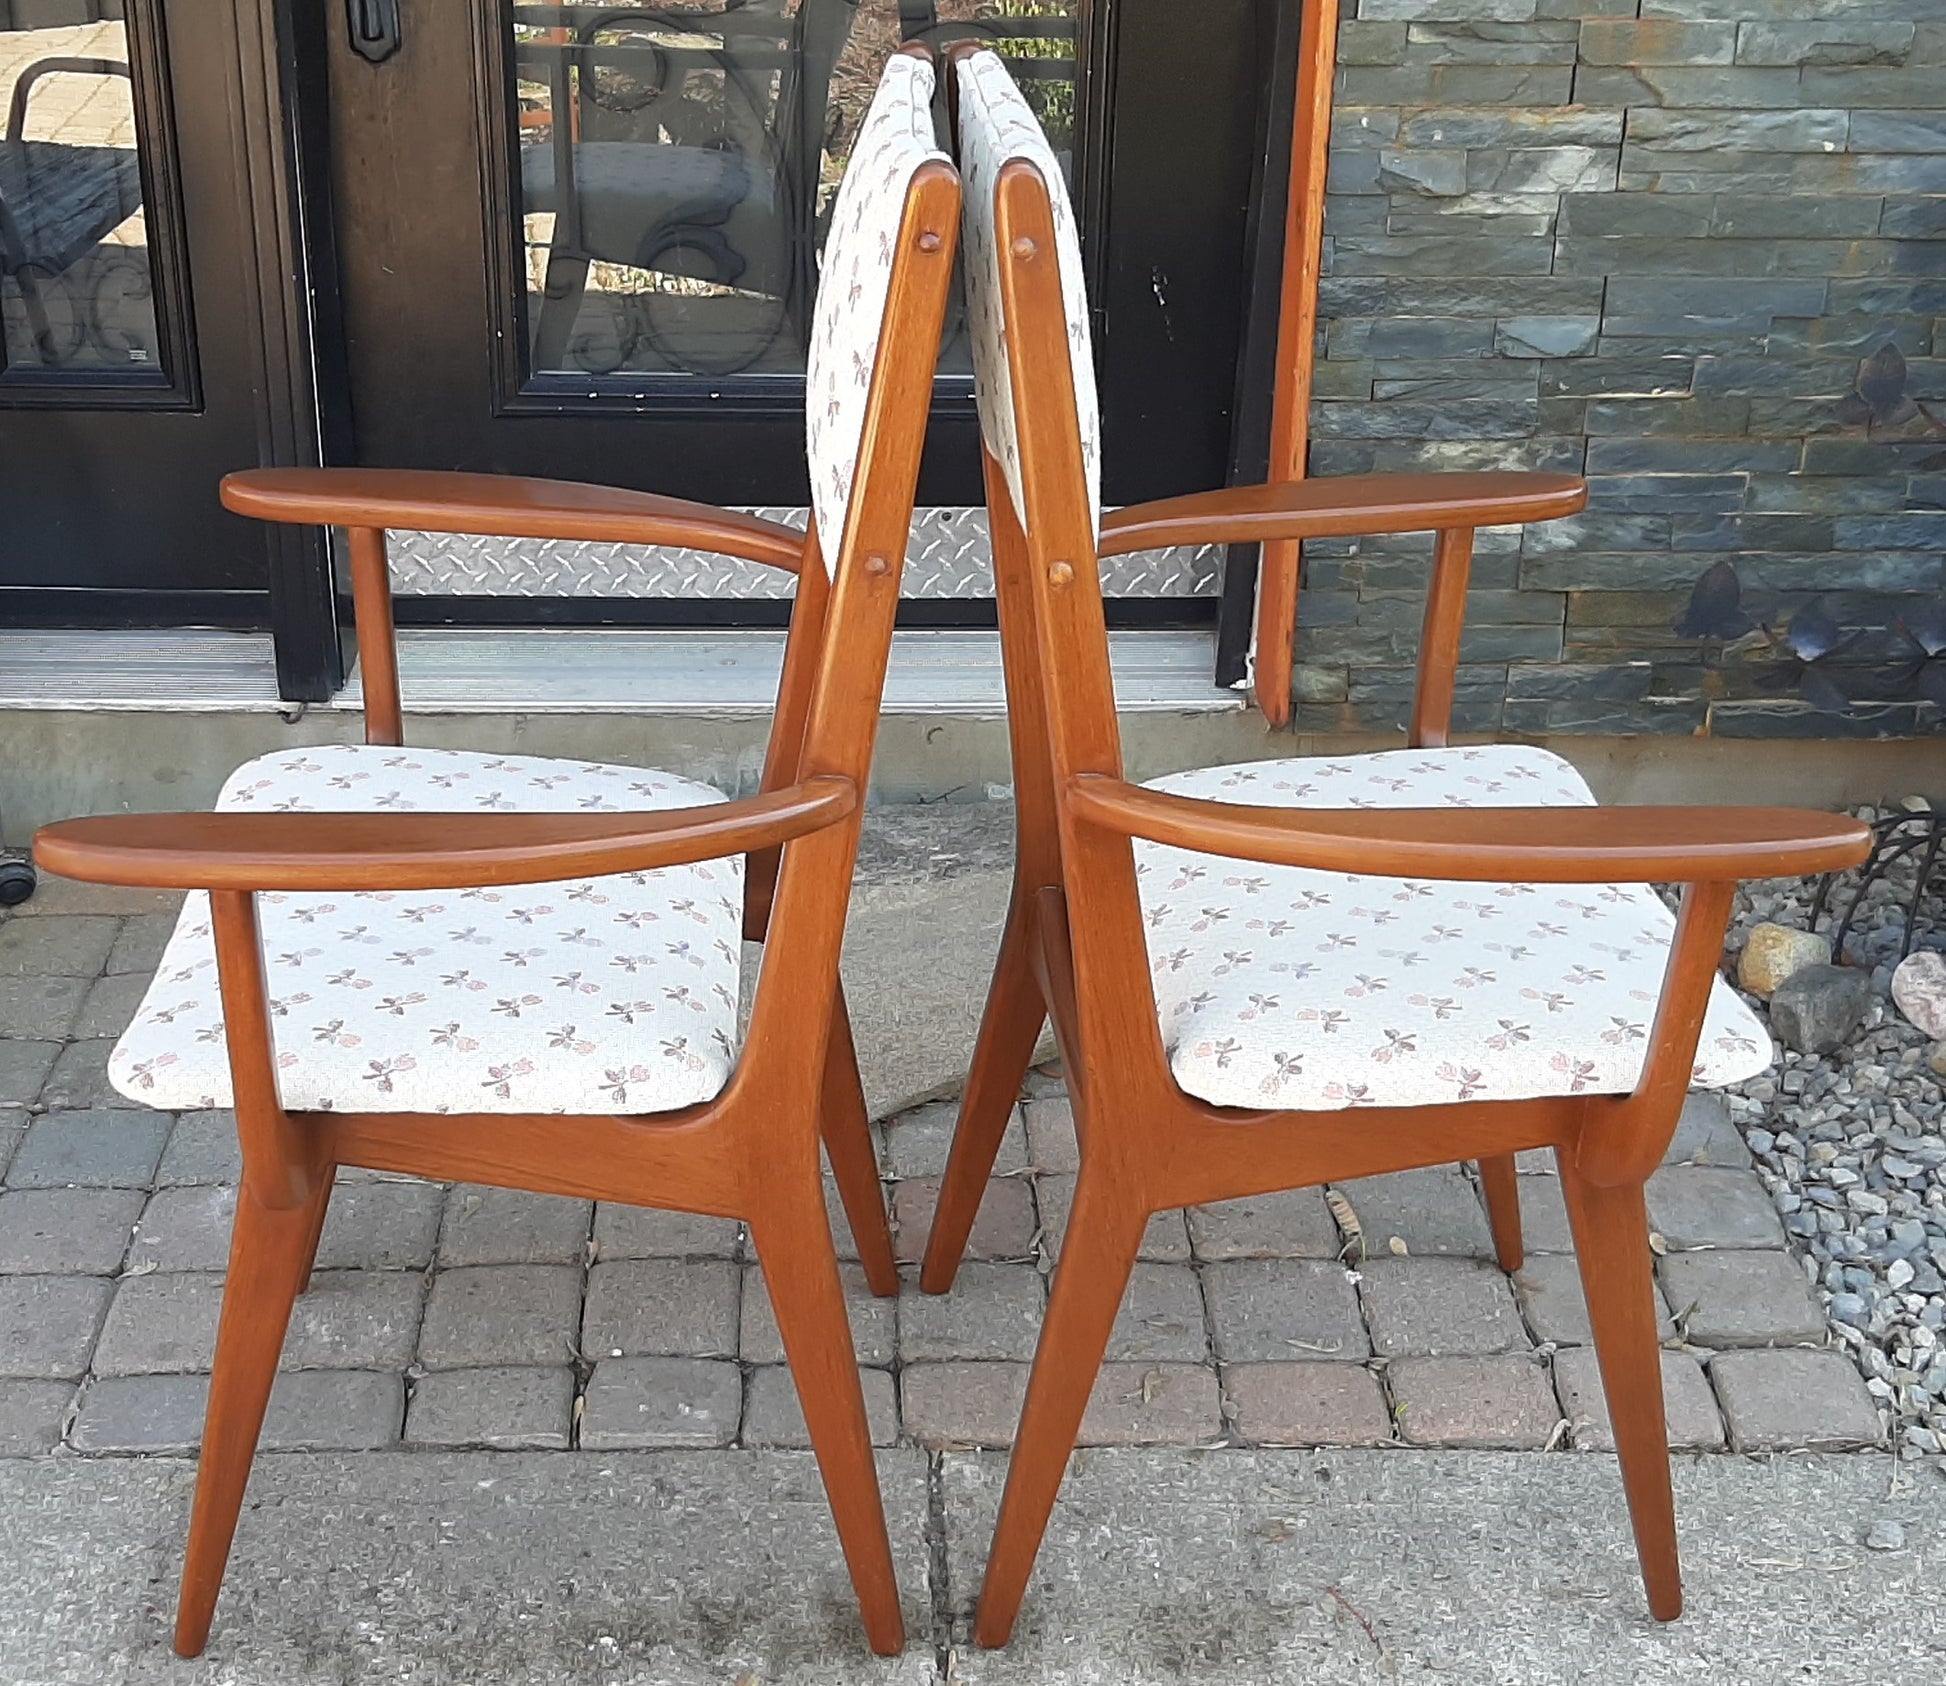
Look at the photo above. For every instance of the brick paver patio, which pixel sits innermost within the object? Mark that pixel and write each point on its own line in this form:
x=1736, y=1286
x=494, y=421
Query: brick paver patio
x=475, y=1317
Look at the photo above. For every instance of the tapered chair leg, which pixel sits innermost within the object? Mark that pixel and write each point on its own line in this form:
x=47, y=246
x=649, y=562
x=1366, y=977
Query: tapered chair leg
x=801, y=1272
x=847, y=1133
x=270, y=1260
x=1500, y=1183
x=1611, y=1237
x=1009, y=1028
x=1103, y=1235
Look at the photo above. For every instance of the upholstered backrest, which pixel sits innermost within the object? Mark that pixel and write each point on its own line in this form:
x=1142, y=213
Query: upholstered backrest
x=996, y=125
x=895, y=139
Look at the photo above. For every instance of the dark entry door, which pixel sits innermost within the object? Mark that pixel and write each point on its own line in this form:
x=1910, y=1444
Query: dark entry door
x=135, y=227
x=581, y=240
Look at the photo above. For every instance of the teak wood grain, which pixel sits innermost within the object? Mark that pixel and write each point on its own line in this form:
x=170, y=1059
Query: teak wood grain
x=1074, y=947
x=752, y=1153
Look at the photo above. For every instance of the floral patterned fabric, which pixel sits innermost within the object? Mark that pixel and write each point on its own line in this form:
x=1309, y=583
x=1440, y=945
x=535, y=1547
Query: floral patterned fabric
x=996, y=126
x=895, y=139
x=603, y=995
x=1286, y=987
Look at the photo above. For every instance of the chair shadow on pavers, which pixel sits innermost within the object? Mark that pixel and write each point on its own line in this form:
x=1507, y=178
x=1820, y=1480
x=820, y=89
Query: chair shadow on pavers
x=524, y=972
x=1271, y=976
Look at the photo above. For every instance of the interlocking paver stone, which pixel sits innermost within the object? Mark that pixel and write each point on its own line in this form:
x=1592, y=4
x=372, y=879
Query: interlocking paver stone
x=380, y=1226
x=1544, y=1226
x=1439, y=1307
x=661, y=1402
x=31, y=1414
x=1308, y=1402
x=485, y=1226
x=1152, y=1405
x=662, y=1307
x=23, y=1070
x=643, y=1232
x=1005, y=1228
x=994, y=1311
x=41, y=1008
x=1706, y=1136
x=157, y=1414
x=48, y=1324
x=1689, y=1408
x=843, y=1243
x=160, y=1324
x=962, y=1403
x=185, y=1229
x=1791, y=1397
x=66, y=1231
x=13, y=1130
x=506, y=1407
x=138, y=947
x=1294, y=1224
x=772, y=1415
x=90, y=1150
x=1161, y=1317
x=110, y=1004
x=74, y=948
x=203, y=1148
x=356, y=1320
x=1727, y=1299
x=1432, y=1211
x=333, y=1411
x=1051, y=1143
x=501, y=1314
x=917, y=1142
x=1703, y=1206
x=1165, y=1241
x=1549, y=1290
x=63, y=898
x=79, y=1079
x=1498, y=1403
x=1272, y=1309
x=874, y=1321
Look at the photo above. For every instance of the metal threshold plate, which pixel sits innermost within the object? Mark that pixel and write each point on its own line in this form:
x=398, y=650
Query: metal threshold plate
x=565, y=671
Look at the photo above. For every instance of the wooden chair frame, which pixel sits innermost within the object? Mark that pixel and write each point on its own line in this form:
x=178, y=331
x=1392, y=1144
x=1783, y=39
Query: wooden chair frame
x=1074, y=945
x=751, y=1153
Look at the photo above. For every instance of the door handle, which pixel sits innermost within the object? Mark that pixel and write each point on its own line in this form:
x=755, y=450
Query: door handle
x=374, y=27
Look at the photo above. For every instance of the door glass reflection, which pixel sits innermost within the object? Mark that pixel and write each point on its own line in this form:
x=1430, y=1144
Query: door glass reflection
x=76, y=289
x=678, y=164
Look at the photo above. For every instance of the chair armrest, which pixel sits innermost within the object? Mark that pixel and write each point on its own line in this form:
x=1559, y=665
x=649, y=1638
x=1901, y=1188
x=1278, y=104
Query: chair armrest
x=1342, y=506
x=1487, y=845
x=504, y=506
x=416, y=851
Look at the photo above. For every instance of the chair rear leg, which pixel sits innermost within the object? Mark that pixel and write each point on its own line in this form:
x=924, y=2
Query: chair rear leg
x=270, y=1260
x=847, y=1133
x=801, y=1271
x=1611, y=1237
x=1009, y=1028
x=1500, y=1183
x=1097, y=1254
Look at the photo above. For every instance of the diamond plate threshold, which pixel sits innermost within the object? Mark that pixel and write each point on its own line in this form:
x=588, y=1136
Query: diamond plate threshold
x=567, y=670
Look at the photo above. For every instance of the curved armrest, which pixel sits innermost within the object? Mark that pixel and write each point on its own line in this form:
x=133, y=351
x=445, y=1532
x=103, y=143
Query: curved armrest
x=1487, y=845
x=505, y=506
x=416, y=851
x=1341, y=506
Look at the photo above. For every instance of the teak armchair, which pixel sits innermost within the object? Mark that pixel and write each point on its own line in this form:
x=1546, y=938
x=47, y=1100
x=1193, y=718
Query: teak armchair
x=546, y=998
x=1272, y=976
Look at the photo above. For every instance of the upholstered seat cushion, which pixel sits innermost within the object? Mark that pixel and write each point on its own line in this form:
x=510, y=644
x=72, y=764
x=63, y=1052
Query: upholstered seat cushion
x=606, y=995
x=1285, y=987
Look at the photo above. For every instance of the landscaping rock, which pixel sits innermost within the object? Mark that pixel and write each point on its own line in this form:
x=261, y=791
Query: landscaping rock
x=1774, y=953
x=1817, y=1009
x=1919, y=988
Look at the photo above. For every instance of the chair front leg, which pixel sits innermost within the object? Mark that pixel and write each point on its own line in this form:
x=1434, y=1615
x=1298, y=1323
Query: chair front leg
x=793, y=1242
x=1500, y=1183
x=271, y=1250
x=1009, y=1028
x=1097, y=1255
x=847, y=1133
x=1611, y=1239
